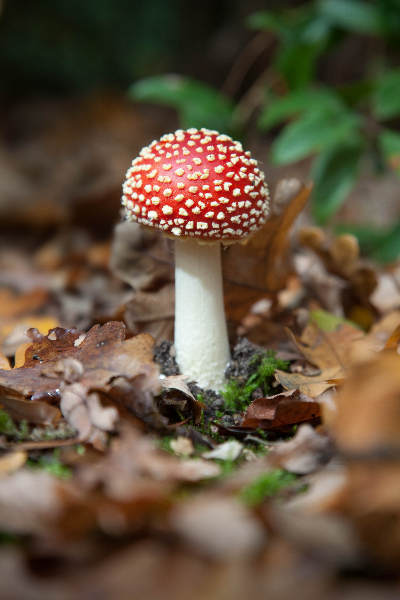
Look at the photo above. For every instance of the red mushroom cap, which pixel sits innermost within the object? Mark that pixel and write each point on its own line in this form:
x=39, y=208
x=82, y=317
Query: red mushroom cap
x=197, y=183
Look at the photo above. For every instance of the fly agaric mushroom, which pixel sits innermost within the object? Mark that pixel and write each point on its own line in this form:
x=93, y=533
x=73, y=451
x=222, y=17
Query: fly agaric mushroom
x=202, y=189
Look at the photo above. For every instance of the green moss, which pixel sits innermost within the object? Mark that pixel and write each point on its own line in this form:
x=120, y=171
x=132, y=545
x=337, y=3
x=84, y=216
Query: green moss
x=165, y=443
x=7, y=425
x=52, y=464
x=265, y=486
x=238, y=396
x=10, y=429
x=8, y=538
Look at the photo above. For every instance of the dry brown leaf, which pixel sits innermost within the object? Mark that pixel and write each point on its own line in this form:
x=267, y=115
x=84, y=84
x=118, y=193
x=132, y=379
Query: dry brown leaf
x=371, y=500
x=84, y=412
x=40, y=413
x=306, y=452
x=102, y=351
x=14, y=333
x=29, y=502
x=140, y=256
x=280, y=411
x=262, y=263
x=152, y=312
x=368, y=407
x=218, y=527
x=16, y=305
x=310, y=385
x=11, y=462
x=327, y=349
x=4, y=364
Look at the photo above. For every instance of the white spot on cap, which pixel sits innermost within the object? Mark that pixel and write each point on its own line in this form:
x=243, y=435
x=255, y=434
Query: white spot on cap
x=152, y=214
x=219, y=169
x=179, y=172
x=183, y=212
x=176, y=231
x=179, y=197
x=190, y=225
x=220, y=216
x=193, y=189
x=155, y=200
x=167, y=192
x=236, y=192
x=201, y=225
x=167, y=210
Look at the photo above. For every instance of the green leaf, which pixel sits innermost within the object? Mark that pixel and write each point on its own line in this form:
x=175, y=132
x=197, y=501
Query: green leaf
x=296, y=61
x=386, y=100
x=269, y=21
x=198, y=104
x=389, y=143
x=354, y=15
x=315, y=131
x=334, y=173
x=279, y=109
x=327, y=321
x=389, y=250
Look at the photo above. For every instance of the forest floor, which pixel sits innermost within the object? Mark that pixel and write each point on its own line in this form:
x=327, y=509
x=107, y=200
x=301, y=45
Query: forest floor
x=118, y=478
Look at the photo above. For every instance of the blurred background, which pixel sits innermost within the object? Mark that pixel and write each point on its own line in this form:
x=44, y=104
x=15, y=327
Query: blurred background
x=312, y=87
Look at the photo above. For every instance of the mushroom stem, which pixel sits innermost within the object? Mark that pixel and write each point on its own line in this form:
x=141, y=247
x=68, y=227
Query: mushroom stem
x=201, y=337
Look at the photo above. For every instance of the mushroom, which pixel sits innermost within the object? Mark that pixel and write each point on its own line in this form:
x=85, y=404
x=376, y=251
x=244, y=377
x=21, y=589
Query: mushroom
x=202, y=189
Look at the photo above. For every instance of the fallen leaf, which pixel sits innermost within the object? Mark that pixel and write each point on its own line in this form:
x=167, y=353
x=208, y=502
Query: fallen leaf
x=310, y=385
x=4, y=364
x=11, y=462
x=16, y=305
x=103, y=353
x=327, y=349
x=14, y=333
x=29, y=502
x=182, y=446
x=280, y=411
x=175, y=392
x=139, y=256
x=152, y=312
x=220, y=528
x=370, y=500
x=386, y=296
x=263, y=261
x=84, y=412
x=367, y=417
x=230, y=450
x=37, y=412
x=306, y=452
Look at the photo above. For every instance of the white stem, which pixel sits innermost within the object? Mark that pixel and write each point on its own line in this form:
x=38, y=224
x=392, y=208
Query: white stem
x=201, y=338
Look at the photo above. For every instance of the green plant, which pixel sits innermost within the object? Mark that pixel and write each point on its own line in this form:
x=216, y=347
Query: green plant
x=52, y=464
x=10, y=429
x=341, y=127
x=265, y=486
x=237, y=395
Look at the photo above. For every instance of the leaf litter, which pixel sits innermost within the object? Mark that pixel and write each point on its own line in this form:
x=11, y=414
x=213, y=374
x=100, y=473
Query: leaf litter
x=297, y=473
